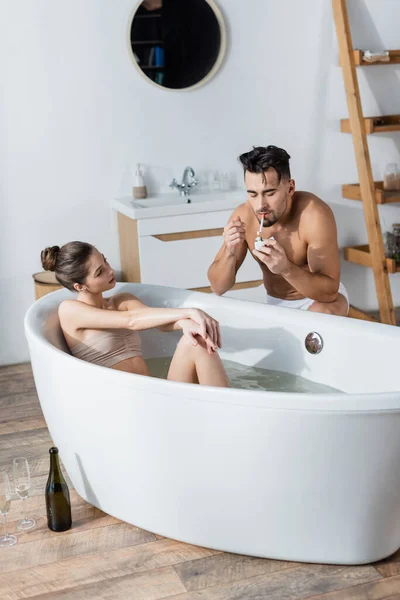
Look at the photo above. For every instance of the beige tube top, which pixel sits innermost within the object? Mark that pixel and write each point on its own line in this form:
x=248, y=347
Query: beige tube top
x=107, y=347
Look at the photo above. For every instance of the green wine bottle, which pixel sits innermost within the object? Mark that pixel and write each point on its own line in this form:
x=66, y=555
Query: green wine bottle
x=58, y=504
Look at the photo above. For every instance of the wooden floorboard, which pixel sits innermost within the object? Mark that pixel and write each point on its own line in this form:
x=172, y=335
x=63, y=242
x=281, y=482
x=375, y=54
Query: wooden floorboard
x=151, y=585
x=16, y=371
x=18, y=399
x=225, y=568
x=298, y=582
x=390, y=566
x=102, y=557
x=22, y=424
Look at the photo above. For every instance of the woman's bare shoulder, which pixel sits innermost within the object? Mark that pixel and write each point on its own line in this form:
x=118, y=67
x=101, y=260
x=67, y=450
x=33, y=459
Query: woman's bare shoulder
x=121, y=297
x=69, y=306
x=123, y=301
x=67, y=312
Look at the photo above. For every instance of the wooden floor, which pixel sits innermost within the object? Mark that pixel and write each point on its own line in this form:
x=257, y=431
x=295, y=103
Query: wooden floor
x=101, y=557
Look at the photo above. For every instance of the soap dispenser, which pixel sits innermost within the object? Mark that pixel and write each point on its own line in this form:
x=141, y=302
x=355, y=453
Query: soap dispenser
x=139, y=189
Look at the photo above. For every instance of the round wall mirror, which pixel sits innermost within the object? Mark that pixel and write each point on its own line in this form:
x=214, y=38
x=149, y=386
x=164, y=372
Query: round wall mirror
x=177, y=44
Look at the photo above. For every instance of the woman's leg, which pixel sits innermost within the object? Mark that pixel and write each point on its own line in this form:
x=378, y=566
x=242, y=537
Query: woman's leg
x=193, y=364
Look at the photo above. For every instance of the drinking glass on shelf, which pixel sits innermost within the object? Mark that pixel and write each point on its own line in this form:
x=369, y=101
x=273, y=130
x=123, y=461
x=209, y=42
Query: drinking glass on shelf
x=216, y=182
x=22, y=482
x=225, y=183
x=5, y=499
x=391, y=178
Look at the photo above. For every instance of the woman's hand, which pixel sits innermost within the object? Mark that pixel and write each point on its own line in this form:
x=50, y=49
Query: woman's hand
x=209, y=327
x=191, y=330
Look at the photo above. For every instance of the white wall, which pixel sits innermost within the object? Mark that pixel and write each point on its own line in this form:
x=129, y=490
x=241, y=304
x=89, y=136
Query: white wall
x=76, y=116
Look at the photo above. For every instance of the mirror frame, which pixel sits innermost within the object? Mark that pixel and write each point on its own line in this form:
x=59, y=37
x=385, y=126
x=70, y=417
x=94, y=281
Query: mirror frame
x=222, y=50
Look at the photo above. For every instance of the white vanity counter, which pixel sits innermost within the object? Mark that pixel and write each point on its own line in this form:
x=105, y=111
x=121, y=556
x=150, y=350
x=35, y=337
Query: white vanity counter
x=166, y=241
x=165, y=205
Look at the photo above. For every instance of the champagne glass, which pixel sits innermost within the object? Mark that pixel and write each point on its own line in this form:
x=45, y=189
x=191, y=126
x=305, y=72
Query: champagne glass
x=5, y=499
x=22, y=482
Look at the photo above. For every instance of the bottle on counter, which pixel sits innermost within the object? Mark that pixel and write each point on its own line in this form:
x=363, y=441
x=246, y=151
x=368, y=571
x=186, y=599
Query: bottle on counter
x=139, y=189
x=58, y=504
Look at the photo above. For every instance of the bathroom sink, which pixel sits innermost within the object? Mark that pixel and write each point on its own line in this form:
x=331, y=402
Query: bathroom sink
x=173, y=204
x=177, y=199
x=164, y=200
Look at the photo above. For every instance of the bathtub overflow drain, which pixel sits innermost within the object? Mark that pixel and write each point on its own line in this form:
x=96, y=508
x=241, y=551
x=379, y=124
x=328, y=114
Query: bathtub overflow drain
x=314, y=342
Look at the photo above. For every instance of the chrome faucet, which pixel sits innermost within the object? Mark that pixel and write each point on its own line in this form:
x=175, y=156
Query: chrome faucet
x=184, y=187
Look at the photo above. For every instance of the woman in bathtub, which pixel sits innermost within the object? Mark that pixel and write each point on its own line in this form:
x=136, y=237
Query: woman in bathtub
x=105, y=330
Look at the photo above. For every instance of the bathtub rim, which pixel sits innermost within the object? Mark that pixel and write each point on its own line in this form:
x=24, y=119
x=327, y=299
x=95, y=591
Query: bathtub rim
x=283, y=401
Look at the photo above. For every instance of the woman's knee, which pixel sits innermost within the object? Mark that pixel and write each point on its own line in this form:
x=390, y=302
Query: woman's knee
x=188, y=344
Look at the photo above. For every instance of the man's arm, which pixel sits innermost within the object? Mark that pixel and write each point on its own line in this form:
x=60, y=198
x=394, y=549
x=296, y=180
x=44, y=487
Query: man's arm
x=222, y=272
x=321, y=282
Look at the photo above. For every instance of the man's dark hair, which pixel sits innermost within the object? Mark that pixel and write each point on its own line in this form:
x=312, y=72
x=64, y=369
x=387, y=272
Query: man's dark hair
x=262, y=158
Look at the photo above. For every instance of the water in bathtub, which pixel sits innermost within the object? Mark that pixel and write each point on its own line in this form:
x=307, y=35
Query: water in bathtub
x=253, y=378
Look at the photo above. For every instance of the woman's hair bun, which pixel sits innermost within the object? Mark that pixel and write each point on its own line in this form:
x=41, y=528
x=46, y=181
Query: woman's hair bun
x=48, y=257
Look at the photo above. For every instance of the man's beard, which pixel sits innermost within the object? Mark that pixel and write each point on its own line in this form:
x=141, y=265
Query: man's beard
x=269, y=221
x=272, y=218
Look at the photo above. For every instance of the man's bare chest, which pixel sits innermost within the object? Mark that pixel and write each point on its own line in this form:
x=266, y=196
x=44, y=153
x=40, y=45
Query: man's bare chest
x=290, y=240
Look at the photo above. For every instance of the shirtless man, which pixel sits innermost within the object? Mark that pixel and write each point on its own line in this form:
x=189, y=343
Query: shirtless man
x=300, y=265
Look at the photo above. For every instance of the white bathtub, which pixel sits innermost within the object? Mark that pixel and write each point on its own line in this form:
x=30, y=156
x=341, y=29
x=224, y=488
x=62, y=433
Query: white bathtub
x=297, y=477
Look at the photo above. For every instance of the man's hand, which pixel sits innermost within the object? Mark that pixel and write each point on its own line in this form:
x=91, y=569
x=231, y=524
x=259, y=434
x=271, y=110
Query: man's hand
x=234, y=235
x=273, y=256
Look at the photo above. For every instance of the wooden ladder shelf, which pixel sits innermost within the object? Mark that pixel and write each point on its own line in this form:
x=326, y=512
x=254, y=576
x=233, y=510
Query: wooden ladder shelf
x=369, y=192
